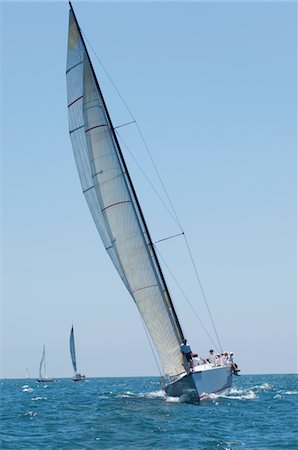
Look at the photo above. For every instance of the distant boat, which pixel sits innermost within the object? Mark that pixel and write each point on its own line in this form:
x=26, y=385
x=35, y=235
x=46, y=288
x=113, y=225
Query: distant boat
x=116, y=210
x=27, y=374
x=43, y=376
x=77, y=376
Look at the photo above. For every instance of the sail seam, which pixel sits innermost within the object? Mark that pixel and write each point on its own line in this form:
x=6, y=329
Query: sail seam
x=77, y=99
x=68, y=70
x=145, y=287
x=97, y=173
x=96, y=126
x=114, y=204
x=76, y=129
x=88, y=189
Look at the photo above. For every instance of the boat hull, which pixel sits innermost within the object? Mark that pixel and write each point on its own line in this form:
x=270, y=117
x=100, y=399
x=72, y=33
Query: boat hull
x=201, y=382
x=79, y=377
x=45, y=380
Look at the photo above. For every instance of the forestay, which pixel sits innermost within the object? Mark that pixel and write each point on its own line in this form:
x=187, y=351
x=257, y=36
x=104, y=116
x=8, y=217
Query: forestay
x=113, y=204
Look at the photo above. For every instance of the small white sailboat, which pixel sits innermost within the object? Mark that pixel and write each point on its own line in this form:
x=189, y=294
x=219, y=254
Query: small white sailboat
x=114, y=205
x=77, y=376
x=43, y=376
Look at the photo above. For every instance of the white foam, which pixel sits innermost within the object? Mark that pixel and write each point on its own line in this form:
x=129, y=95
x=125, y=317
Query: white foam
x=264, y=387
x=173, y=399
x=27, y=390
x=182, y=399
x=242, y=395
x=127, y=394
x=212, y=396
x=39, y=398
x=155, y=394
x=31, y=413
x=291, y=392
x=247, y=396
x=236, y=391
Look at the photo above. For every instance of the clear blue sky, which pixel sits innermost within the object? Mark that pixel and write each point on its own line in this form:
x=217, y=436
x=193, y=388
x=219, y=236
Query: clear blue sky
x=213, y=87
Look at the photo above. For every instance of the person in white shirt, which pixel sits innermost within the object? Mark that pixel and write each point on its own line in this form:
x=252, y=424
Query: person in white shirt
x=217, y=359
x=223, y=358
x=211, y=357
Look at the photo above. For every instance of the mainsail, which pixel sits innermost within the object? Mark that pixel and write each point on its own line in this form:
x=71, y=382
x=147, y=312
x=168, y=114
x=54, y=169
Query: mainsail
x=113, y=203
x=42, y=365
x=72, y=350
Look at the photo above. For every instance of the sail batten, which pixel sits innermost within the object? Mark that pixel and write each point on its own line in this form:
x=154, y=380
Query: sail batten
x=113, y=203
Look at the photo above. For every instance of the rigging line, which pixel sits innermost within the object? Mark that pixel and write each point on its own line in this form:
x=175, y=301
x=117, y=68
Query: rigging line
x=176, y=219
x=124, y=124
x=186, y=298
x=159, y=177
x=108, y=75
x=148, y=179
x=139, y=130
x=203, y=293
x=149, y=340
x=170, y=237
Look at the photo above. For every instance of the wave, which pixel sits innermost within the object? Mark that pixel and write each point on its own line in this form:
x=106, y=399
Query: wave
x=129, y=394
x=155, y=394
x=281, y=394
x=246, y=396
x=31, y=414
x=234, y=394
x=263, y=387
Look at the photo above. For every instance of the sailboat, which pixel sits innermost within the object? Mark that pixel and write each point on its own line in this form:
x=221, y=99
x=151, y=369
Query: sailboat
x=114, y=205
x=77, y=376
x=43, y=377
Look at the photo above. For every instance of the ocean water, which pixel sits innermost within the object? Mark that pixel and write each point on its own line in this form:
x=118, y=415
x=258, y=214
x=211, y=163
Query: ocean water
x=260, y=412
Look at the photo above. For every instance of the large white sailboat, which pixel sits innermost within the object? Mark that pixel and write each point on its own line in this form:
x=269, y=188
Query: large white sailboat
x=76, y=376
x=115, y=208
x=43, y=376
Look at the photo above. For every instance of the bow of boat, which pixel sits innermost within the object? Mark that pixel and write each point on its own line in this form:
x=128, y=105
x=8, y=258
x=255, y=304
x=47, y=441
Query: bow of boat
x=200, y=382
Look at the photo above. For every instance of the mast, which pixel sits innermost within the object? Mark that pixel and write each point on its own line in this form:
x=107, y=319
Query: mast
x=173, y=315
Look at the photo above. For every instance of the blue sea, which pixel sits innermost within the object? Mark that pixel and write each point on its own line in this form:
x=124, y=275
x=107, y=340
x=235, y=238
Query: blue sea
x=260, y=412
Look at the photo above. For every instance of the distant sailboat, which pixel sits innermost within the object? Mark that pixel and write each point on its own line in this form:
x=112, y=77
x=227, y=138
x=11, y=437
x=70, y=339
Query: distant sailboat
x=27, y=374
x=43, y=376
x=77, y=376
x=112, y=200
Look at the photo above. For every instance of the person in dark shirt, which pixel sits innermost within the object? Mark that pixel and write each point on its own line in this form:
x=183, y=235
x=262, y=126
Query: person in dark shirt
x=187, y=353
